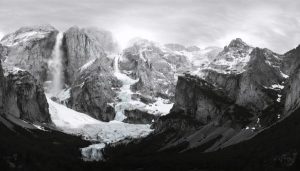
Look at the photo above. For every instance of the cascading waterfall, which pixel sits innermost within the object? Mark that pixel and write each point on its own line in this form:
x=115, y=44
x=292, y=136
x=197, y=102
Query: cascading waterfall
x=125, y=92
x=56, y=67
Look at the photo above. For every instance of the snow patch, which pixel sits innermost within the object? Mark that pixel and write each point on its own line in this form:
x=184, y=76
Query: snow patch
x=284, y=75
x=85, y=66
x=277, y=86
x=279, y=98
x=39, y=127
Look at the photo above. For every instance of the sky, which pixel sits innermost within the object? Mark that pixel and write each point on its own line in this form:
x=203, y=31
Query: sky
x=274, y=24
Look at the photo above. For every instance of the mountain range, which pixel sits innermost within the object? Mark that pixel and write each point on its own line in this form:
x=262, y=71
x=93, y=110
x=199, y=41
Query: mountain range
x=74, y=100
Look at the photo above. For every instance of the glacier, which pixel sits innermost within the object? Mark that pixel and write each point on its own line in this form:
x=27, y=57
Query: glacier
x=76, y=123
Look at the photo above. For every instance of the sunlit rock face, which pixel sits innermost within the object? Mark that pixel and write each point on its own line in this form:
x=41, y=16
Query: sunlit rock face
x=30, y=48
x=82, y=45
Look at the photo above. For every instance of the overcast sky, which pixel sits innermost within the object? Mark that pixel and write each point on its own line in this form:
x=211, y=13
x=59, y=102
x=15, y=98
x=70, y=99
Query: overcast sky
x=274, y=24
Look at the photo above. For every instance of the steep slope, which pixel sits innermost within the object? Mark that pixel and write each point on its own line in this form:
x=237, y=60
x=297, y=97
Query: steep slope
x=276, y=148
x=93, y=91
x=23, y=96
x=25, y=147
x=89, y=71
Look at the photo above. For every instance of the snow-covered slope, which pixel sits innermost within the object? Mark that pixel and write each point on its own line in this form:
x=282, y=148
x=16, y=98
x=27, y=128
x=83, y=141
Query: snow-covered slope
x=72, y=122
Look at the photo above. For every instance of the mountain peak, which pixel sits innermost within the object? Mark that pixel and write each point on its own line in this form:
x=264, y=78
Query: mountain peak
x=238, y=42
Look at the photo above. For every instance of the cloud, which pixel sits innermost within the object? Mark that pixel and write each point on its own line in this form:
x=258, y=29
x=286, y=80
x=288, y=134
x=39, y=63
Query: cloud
x=270, y=23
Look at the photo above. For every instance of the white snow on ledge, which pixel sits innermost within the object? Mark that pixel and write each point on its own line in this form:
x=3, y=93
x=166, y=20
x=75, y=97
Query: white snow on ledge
x=277, y=86
x=73, y=122
x=87, y=65
x=284, y=75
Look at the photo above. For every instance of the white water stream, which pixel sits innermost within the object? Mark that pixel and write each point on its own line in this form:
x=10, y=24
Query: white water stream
x=125, y=92
x=56, y=67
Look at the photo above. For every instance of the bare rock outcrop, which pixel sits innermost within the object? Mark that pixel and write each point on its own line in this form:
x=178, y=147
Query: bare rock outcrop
x=30, y=48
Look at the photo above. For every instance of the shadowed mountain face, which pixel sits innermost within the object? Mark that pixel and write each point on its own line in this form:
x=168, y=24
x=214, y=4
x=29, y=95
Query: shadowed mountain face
x=275, y=148
x=24, y=147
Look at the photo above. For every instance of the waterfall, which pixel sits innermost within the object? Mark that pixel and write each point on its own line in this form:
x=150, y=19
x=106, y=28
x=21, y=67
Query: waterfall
x=116, y=64
x=56, y=67
x=125, y=92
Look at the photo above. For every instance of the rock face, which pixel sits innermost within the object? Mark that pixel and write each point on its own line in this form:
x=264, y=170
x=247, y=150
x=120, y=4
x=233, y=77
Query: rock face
x=203, y=113
x=2, y=88
x=82, y=46
x=89, y=72
x=22, y=96
x=30, y=48
x=139, y=117
x=198, y=98
x=154, y=68
x=262, y=73
x=292, y=89
x=291, y=61
x=253, y=76
x=92, y=92
x=3, y=52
